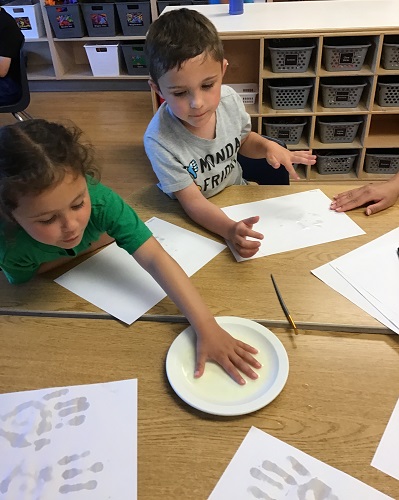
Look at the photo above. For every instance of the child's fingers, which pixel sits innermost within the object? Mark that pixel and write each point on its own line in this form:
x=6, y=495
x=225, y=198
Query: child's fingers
x=244, y=367
x=248, y=358
x=305, y=157
x=199, y=365
x=288, y=166
x=231, y=370
x=247, y=347
x=251, y=220
x=252, y=234
x=247, y=247
x=249, y=244
x=272, y=160
x=246, y=253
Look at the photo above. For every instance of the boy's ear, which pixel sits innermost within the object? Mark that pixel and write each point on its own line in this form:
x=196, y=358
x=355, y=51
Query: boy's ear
x=155, y=87
x=224, y=66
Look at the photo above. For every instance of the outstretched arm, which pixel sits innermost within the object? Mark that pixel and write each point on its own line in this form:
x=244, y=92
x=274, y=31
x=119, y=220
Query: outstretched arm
x=256, y=146
x=213, y=343
x=382, y=196
x=208, y=215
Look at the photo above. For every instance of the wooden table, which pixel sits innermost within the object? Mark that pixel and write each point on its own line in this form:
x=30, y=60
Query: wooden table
x=231, y=288
x=335, y=405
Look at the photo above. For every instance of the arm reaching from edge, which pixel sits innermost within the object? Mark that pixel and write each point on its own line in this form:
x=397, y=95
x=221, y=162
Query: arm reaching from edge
x=382, y=196
x=213, y=343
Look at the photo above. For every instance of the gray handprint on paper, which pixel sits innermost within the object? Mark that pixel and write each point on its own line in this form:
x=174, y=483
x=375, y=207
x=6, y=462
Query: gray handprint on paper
x=30, y=426
x=275, y=483
x=29, y=422
x=34, y=484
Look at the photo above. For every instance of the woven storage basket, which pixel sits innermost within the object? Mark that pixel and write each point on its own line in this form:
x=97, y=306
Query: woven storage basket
x=388, y=91
x=345, y=93
x=344, y=54
x=289, y=93
x=336, y=129
x=288, y=130
x=390, y=52
x=247, y=91
x=382, y=162
x=335, y=162
x=290, y=55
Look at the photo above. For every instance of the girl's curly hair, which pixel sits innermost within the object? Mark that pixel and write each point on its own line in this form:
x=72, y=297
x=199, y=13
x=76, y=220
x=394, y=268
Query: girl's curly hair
x=35, y=155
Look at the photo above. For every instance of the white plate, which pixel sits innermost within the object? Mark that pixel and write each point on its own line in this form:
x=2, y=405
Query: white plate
x=215, y=392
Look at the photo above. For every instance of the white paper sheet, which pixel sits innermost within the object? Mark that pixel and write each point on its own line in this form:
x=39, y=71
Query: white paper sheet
x=294, y=221
x=386, y=458
x=113, y=281
x=266, y=468
x=75, y=442
x=369, y=277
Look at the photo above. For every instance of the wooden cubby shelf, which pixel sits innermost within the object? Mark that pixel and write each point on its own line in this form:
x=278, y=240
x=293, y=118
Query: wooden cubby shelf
x=249, y=40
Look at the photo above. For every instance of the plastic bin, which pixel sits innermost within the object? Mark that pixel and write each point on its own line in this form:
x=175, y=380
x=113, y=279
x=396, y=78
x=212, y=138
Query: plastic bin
x=162, y=4
x=345, y=53
x=99, y=18
x=388, y=91
x=390, y=53
x=338, y=129
x=133, y=54
x=335, y=162
x=287, y=129
x=28, y=16
x=341, y=94
x=290, y=55
x=379, y=161
x=66, y=20
x=135, y=18
x=247, y=91
x=289, y=94
x=103, y=58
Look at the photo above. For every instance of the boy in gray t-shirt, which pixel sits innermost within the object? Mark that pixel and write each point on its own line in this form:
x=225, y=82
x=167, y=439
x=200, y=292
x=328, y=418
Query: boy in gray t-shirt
x=193, y=140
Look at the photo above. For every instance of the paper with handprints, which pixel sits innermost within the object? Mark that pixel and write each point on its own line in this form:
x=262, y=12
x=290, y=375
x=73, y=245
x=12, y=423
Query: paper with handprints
x=268, y=469
x=75, y=442
x=294, y=221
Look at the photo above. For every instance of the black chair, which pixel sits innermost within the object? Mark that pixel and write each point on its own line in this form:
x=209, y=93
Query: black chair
x=18, y=108
x=259, y=170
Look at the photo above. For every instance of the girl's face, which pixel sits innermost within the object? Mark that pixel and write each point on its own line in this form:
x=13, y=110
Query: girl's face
x=59, y=215
x=193, y=91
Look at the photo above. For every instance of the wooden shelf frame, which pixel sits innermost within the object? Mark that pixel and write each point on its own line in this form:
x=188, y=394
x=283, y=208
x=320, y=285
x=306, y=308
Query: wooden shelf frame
x=246, y=39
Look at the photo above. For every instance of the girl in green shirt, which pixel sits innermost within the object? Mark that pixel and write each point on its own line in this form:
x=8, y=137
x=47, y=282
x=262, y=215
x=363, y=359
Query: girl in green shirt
x=52, y=209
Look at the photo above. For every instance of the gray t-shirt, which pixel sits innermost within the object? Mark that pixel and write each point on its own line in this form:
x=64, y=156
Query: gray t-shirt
x=178, y=157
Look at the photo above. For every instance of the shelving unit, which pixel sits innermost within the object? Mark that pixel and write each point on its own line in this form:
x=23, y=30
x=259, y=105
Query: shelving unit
x=62, y=64
x=40, y=63
x=247, y=39
x=62, y=60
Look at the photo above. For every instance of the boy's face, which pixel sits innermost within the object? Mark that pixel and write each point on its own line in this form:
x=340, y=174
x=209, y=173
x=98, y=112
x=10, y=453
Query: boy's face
x=59, y=215
x=193, y=91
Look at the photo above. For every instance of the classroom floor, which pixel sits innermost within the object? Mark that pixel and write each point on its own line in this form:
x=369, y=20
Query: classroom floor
x=114, y=122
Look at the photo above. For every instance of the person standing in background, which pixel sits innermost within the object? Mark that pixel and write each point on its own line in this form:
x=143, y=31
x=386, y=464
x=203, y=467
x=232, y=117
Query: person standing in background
x=11, y=40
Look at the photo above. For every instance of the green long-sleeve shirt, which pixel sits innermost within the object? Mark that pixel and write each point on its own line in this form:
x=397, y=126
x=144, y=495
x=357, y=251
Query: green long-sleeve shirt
x=21, y=255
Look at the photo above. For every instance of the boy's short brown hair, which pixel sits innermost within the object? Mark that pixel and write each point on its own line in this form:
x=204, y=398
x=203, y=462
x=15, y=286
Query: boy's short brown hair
x=176, y=37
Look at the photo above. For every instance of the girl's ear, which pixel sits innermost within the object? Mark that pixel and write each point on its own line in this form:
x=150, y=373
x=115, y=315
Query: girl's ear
x=224, y=66
x=155, y=87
